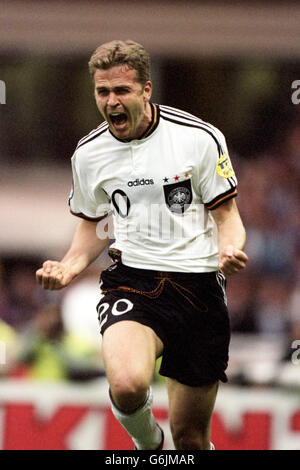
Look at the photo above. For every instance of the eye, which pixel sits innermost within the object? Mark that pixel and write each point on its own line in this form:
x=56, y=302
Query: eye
x=101, y=91
x=122, y=90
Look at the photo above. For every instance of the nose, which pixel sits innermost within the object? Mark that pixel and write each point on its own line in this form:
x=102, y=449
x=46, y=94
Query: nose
x=112, y=100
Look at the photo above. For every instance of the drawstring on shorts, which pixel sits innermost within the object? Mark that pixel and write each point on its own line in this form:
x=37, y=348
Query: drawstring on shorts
x=154, y=294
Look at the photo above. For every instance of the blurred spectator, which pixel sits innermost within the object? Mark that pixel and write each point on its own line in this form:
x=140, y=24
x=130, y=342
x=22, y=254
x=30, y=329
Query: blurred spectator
x=241, y=303
x=9, y=348
x=49, y=353
x=79, y=303
x=294, y=308
x=268, y=208
x=20, y=295
x=259, y=306
x=23, y=295
x=265, y=299
x=272, y=307
x=7, y=313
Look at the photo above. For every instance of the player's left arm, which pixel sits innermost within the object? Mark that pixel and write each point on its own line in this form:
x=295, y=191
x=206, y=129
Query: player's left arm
x=231, y=238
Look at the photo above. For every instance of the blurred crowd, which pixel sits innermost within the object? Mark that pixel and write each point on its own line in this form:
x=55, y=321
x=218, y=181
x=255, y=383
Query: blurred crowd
x=265, y=298
x=55, y=335
x=50, y=336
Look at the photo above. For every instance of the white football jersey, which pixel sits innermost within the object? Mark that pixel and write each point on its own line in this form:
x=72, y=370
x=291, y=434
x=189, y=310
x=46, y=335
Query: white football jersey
x=160, y=188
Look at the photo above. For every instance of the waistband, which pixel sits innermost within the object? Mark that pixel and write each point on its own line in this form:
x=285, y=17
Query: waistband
x=164, y=274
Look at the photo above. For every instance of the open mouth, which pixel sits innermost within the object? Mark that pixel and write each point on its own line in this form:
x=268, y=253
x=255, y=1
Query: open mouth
x=118, y=120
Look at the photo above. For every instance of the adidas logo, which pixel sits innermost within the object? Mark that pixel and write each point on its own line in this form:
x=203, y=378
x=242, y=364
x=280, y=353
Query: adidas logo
x=139, y=182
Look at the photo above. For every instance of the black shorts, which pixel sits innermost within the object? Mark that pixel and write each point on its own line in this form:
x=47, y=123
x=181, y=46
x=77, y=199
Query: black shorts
x=186, y=310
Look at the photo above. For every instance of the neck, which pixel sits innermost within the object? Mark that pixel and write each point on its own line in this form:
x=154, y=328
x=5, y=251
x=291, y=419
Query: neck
x=147, y=120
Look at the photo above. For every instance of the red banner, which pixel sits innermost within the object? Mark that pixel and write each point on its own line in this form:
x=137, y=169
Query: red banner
x=60, y=418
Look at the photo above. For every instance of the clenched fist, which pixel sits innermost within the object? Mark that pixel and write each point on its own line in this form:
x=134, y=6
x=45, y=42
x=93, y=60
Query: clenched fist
x=232, y=260
x=54, y=275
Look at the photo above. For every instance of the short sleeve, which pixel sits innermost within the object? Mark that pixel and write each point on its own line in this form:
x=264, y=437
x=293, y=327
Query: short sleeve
x=218, y=182
x=84, y=201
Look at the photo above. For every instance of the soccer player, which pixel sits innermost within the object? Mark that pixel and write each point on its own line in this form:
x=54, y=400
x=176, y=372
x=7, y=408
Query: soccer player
x=166, y=178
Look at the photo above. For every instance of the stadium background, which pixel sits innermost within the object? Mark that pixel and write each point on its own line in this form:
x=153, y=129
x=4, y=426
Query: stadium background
x=232, y=65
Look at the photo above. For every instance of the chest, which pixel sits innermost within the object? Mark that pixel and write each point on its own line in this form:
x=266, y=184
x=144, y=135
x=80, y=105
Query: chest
x=141, y=171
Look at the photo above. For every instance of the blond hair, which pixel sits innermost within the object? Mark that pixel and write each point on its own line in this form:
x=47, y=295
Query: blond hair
x=118, y=52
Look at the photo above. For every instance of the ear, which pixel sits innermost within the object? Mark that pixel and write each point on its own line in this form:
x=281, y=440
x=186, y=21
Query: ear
x=147, y=91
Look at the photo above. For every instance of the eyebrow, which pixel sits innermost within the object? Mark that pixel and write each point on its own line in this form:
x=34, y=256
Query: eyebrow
x=116, y=88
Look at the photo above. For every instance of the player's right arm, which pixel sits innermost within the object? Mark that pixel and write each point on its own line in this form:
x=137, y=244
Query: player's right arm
x=84, y=249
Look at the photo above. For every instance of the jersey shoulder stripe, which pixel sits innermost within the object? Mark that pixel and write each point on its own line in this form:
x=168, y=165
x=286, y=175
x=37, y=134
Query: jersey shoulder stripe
x=92, y=131
x=197, y=124
x=179, y=112
x=188, y=117
x=93, y=134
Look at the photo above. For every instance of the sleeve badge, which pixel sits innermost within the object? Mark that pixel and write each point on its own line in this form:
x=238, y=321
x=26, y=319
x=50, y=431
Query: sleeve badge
x=224, y=167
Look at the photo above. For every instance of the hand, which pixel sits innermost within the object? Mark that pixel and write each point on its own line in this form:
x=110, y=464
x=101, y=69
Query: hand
x=232, y=260
x=54, y=275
